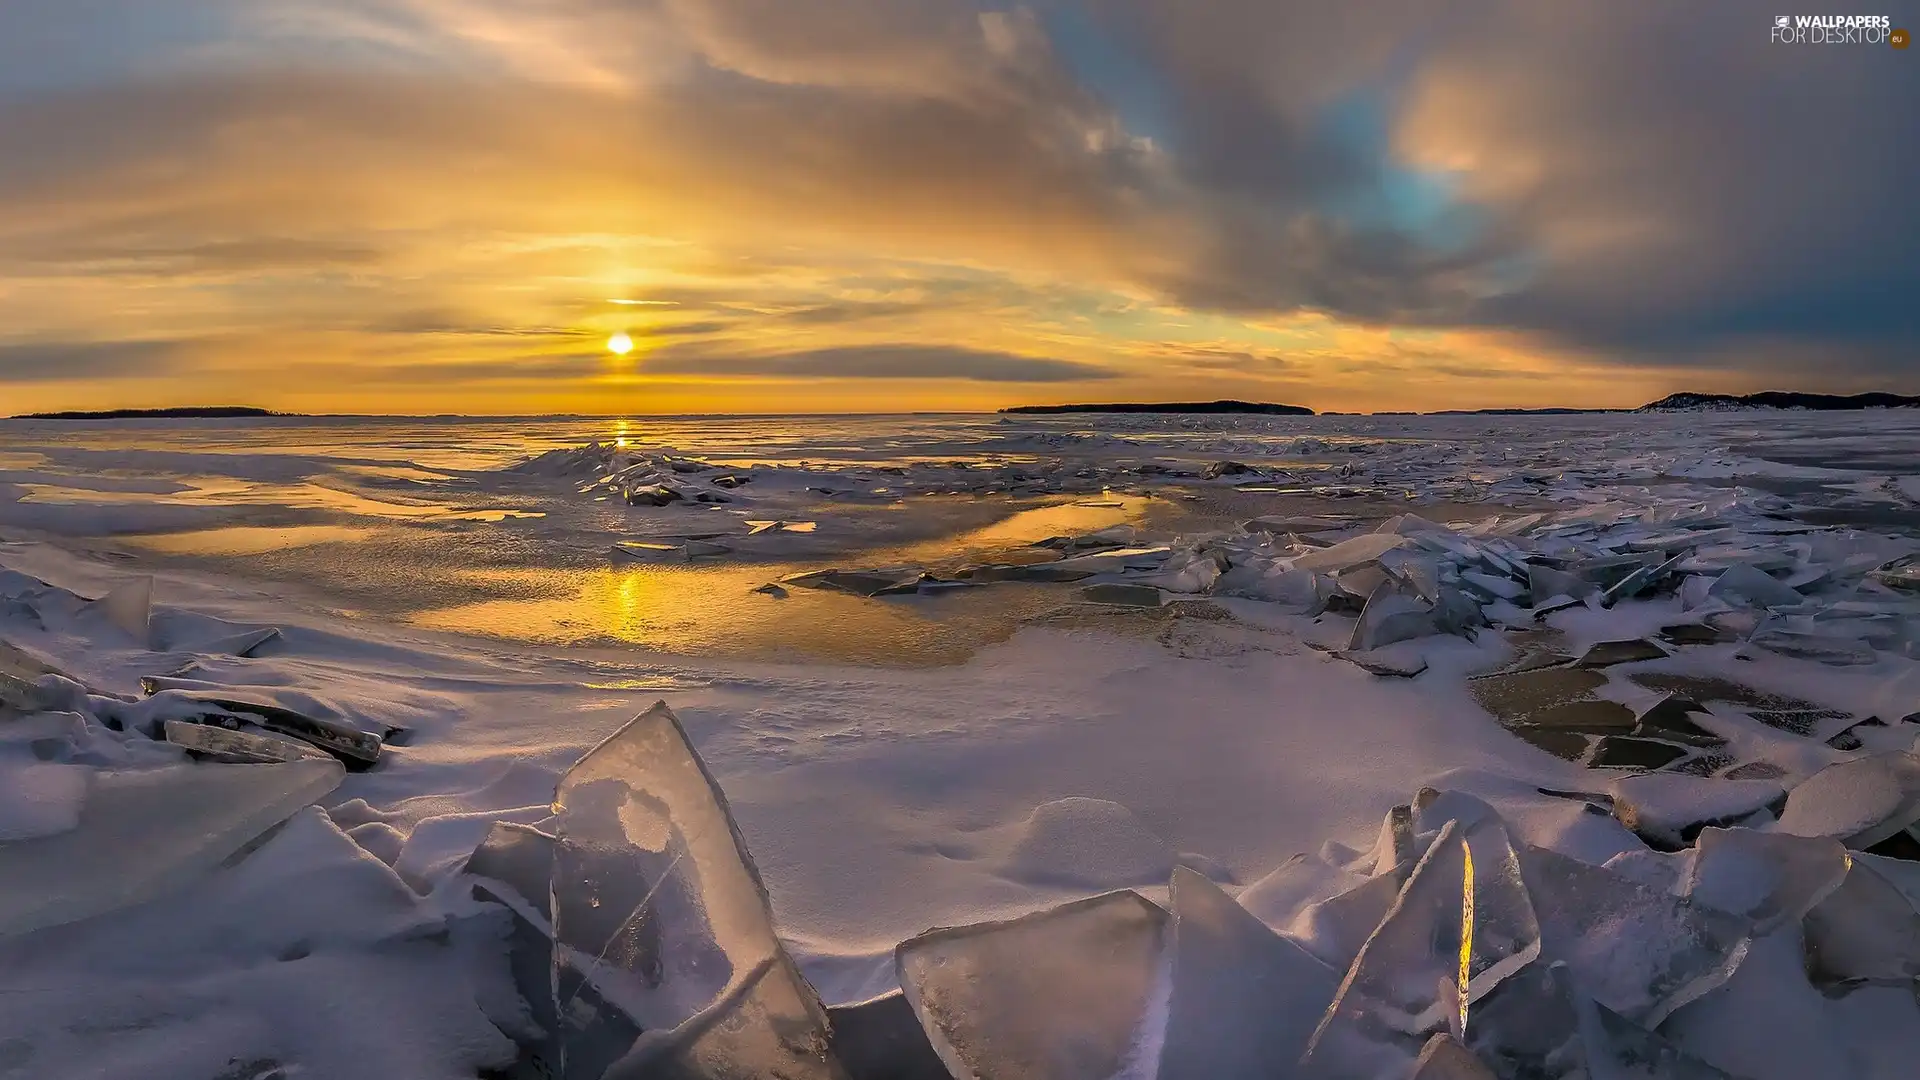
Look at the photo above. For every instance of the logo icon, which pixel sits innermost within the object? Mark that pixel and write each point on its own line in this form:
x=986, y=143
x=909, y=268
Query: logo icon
x=1899, y=39
x=1783, y=21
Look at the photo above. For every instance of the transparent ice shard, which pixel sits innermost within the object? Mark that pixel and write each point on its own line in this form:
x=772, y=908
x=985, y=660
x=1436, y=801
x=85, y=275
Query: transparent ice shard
x=1545, y=583
x=129, y=607
x=1859, y=802
x=1077, y=992
x=1443, y=1058
x=1390, y=616
x=1636, y=950
x=659, y=913
x=1865, y=931
x=1462, y=924
x=1741, y=583
x=1349, y=553
x=1244, y=999
x=145, y=832
x=1540, y=1025
x=1772, y=878
x=881, y=1039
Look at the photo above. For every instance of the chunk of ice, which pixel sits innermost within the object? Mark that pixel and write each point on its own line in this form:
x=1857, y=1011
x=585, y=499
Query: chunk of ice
x=1769, y=877
x=129, y=607
x=1865, y=931
x=1669, y=809
x=1443, y=1058
x=1244, y=999
x=1078, y=992
x=1859, y=802
x=142, y=833
x=1349, y=553
x=1636, y=950
x=1540, y=1026
x=1741, y=583
x=211, y=743
x=1389, y=616
x=881, y=1039
x=658, y=909
x=1462, y=924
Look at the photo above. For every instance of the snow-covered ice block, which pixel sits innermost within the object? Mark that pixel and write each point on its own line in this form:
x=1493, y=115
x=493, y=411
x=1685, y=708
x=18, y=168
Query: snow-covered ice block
x=1078, y=992
x=1244, y=999
x=1462, y=924
x=1636, y=950
x=1771, y=878
x=234, y=747
x=21, y=673
x=142, y=833
x=658, y=909
x=1669, y=809
x=1859, y=802
x=281, y=709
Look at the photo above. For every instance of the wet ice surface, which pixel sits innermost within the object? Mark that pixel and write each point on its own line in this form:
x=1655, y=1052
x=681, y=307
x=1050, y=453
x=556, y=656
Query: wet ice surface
x=954, y=672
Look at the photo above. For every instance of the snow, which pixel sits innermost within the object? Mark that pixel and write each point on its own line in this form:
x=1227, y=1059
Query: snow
x=955, y=757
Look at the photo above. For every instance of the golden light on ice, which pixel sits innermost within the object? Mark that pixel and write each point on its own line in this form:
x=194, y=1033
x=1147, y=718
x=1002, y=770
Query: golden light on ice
x=620, y=343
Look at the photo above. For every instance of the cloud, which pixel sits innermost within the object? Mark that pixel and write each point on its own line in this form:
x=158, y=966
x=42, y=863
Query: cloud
x=77, y=360
x=899, y=361
x=1641, y=185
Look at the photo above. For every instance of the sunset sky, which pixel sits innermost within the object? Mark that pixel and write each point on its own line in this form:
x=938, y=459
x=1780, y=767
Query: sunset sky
x=409, y=206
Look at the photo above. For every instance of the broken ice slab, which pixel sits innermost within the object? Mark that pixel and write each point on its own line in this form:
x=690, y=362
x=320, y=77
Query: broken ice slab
x=1073, y=993
x=1694, y=634
x=1349, y=553
x=1123, y=594
x=1634, y=949
x=1387, y=663
x=1671, y=718
x=1771, y=878
x=881, y=1039
x=269, y=707
x=854, y=582
x=1609, y=653
x=1834, y=650
x=1040, y=572
x=1866, y=931
x=1859, y=802
x=209, y=742
x=1461, y=925
x=143, y=833
x=658, y=909
x=1668, y=810
x=1390, y=616
x=20, y=675
x=1539, y=1025
x=1443, y=1058
x=1742, y=584
x=1638, y=582
x=1244, y=999
x=1633, y=752
x=129, y=607
x=1545, y=582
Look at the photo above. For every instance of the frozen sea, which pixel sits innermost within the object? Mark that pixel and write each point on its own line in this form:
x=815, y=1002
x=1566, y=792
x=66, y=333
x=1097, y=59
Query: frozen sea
x=947, y=752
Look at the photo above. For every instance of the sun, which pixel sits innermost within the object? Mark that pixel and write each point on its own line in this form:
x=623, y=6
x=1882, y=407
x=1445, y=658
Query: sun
x=620, y=344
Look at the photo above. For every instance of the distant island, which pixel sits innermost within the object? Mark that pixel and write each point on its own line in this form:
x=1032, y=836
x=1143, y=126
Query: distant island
x=217, y=412
x=1777, y=399
x=1169, y=407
